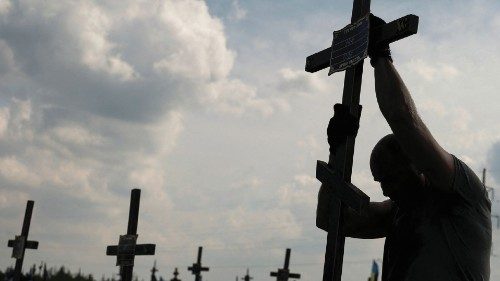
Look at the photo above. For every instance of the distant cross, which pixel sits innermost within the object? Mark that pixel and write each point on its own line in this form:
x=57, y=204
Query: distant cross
x=153, y=272
x=197, y=268
x=337, y=173
x=127, y=249
x=21, y=242
x=176, y=273
x=32, y=272
x=284, y=273
x=45, y=272
x=247, y=277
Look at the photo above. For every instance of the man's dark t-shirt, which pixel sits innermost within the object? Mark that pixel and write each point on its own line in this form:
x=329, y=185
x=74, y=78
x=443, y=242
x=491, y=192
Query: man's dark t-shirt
x=442, y=236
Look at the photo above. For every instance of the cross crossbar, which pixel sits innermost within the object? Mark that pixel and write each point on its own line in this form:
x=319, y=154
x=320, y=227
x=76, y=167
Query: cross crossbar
x=197, y=268
x=391, y=32
x=27, y=245
x=348, y=193
x=140, y=250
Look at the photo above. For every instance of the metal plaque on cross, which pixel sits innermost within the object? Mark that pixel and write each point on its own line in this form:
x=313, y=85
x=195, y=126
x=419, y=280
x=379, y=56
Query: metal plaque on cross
x=350, y=45
x=126, y=250
x=18, y=247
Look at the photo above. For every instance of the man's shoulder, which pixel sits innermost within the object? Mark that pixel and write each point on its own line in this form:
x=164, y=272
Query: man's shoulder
x=464, y=176
x=467, y=185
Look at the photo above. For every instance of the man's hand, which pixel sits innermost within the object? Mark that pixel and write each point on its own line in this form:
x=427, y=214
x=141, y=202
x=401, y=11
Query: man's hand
x=380, y=50
x=342, y=125
x=374, y=222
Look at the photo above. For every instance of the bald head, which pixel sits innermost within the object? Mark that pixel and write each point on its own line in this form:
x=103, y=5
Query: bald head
x=387, y=156
x=390, y=166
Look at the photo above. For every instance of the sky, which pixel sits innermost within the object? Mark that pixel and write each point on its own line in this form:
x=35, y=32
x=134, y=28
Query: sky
x=205, y=106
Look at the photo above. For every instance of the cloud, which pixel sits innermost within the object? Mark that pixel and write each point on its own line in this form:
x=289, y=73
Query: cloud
x=93, y=99
x=129, y=60
x=235, y=97
x=7, y=62
x=433, y=71
x=4, y=121
x=295, y=195
x=90, y=85
x=237, y=12
x=299, y=82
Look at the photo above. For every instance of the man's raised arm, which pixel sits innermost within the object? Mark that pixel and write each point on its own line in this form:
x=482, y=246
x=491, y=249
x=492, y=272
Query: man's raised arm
x=398, y=108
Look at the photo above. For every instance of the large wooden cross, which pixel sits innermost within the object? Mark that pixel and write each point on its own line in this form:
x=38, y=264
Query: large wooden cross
x=284, y=273
x=127, y=249
x=197, y=268
x=21, y=242
x=336, y=175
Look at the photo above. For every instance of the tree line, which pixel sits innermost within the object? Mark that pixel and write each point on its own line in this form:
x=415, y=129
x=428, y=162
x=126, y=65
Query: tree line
x=42, y=273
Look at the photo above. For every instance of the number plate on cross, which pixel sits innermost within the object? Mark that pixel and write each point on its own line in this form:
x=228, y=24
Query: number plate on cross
x=126, y=250
x=350, y=45
x=19, y=245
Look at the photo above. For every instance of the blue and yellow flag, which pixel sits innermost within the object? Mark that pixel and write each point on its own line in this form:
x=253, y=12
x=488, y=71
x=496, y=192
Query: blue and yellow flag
x=374, y=273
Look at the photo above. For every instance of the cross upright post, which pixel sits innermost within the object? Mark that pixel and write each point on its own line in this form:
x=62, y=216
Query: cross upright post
x=197, y=268
x=176, y=273
x=21, y=242
x=127, y=248
x=284, y=273
x=336, y=175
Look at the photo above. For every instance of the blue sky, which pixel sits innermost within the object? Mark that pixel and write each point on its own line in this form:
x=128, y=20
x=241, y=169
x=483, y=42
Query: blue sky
x=207, y=108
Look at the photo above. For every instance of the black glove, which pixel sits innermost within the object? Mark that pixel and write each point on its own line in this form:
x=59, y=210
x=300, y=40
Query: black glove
x=380, y=50
x=341, y=125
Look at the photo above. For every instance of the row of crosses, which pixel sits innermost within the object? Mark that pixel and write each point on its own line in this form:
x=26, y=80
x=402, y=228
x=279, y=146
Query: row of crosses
x=283, y=274
x=154, y=270
x=127, y=249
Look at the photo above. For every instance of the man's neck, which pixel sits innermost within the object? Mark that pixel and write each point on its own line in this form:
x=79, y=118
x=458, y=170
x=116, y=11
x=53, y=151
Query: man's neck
x=412, y=197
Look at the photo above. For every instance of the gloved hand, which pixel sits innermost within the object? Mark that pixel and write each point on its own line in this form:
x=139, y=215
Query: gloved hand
x=380, y=50
x=341, y=125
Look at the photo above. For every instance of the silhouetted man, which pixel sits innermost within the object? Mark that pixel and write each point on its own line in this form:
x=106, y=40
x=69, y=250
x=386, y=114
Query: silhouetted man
x=437, y=222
